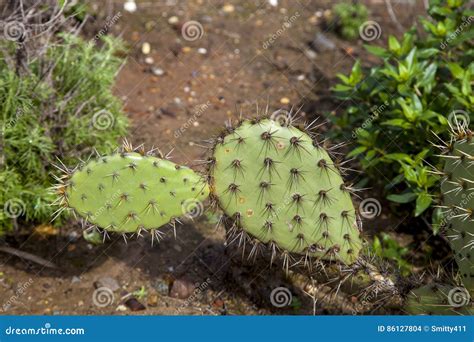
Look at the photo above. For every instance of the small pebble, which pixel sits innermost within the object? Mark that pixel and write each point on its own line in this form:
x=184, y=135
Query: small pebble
x=157, y=71
x=130, y=6
x=181, y=289
x=149, y=60
x=301, y=77
x=173, y=20
x=161, y=286
x=108, y=282
x=284, y=100
x=202, y=51
x=121, y=307
x=229, y=8
x=146, y=48
x=134, y=305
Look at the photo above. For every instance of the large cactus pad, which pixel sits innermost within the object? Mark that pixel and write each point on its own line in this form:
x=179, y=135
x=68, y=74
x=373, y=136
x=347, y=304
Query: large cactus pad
x=283, y=188
x=458, y=197
x=128, y=192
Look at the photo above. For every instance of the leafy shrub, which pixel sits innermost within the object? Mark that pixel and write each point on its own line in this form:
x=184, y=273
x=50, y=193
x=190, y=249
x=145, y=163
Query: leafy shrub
x=62, y=114
x=347, y=18
x=396, y=109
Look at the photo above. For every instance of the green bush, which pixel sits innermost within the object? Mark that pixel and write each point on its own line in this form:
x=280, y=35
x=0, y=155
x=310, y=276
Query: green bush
x=396, y=109
x=347, y=19
x=62, y=114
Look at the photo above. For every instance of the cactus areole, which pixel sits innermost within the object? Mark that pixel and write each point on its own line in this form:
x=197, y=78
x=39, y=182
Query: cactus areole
x=283, y=189
x=129, y=192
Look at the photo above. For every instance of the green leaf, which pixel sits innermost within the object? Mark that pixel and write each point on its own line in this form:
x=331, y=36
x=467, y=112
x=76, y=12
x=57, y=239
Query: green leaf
x=357, y=151
x=376, y=50
x=456, y=70
x=403, y=198
x=423, y=202
x=397, y=123
x=393, y=44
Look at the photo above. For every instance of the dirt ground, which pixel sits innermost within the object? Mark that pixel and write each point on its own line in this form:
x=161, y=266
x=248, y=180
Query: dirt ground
x=177, y=95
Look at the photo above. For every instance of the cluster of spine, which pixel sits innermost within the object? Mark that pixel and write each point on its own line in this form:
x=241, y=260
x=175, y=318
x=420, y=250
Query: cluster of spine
x=281, y=189
x=130, y=191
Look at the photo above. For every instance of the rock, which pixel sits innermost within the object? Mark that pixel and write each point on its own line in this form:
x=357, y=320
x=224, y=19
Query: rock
x=173, y=20
x=322, y=43
x=310, y=54
x=162, y=286
x=228, y=8
x=149, y=60
x=75, y=280
x=146, y=48
x=134, y=305
x=153, y=300
x=121, y=307
x=181, y=289
x=73, y=236
x=108, y=282
x=130, y=6
x=157, y=71
x=202, y=51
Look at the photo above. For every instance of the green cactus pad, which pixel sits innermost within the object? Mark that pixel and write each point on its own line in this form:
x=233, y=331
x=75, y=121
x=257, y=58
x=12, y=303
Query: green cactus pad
x=129, y=192
x=282, y=188
x=458, y=197
x=439, y=299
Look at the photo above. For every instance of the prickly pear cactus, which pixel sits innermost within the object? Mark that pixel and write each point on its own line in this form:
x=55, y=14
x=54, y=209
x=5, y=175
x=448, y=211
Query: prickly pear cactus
x=458, y=199
x=130, y=192
x=282, y=189
x=439, y=299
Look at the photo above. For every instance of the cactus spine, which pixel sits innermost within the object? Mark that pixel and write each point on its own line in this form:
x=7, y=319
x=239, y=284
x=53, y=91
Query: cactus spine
x=131, y=192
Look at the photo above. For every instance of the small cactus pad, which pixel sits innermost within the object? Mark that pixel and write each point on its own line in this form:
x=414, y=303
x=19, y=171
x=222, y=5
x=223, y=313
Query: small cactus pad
x=127, y=192
x=439, y=299
x=283, y=189
x=458, y=198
